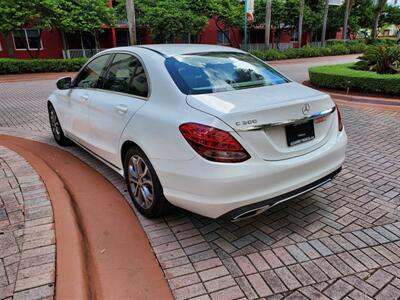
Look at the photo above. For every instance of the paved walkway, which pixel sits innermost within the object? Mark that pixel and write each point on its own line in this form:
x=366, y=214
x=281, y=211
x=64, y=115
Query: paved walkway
x=341, y=241
x=27, y=241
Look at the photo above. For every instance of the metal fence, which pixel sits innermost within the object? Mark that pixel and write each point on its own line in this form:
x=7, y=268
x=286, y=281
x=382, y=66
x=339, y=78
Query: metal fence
x=282, y=46
x=77, y=53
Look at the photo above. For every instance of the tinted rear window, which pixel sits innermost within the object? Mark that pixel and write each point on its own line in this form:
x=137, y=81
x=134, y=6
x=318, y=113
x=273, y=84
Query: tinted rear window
x=220, y=71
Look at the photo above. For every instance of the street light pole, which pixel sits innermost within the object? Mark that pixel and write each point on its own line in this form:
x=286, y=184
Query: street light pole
x=130, y=12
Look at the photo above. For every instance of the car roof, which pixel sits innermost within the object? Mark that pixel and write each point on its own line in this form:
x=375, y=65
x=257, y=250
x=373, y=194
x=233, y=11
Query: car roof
x=179, y=49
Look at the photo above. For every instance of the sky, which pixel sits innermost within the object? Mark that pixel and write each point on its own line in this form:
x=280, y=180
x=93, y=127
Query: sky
x=393, y=1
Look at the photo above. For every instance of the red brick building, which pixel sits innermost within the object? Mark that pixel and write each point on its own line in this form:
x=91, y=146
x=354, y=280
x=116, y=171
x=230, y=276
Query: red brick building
x=51, y=46
x=28, y=42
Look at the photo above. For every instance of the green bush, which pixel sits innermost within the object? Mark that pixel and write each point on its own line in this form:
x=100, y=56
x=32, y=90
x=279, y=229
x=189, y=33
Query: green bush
x=382, y=41
x=16, y=66
x=269, y=55
x=344, y=42
x=334, y=48
x=381, y=59
x=344, y=76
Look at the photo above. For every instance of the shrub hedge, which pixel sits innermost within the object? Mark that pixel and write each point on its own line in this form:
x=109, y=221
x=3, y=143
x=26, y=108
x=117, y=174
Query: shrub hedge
x=344, y=76
x=333, y=48
x=16, y=66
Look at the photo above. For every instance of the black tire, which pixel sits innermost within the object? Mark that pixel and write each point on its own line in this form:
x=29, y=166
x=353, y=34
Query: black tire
x=56, y=128
x=144, y=188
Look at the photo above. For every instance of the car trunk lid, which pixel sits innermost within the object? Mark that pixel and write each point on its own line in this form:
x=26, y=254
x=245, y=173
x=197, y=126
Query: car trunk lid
x=261, y=116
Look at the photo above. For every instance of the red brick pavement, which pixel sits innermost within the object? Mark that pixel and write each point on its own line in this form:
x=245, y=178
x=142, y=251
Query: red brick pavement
x=341, y=241
x=33, y=76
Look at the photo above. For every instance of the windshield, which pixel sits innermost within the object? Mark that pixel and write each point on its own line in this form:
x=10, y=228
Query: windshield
x=220, y=71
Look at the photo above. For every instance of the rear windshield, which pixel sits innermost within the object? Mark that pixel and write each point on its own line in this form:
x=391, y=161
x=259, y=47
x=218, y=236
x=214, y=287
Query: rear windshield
x=213, y=72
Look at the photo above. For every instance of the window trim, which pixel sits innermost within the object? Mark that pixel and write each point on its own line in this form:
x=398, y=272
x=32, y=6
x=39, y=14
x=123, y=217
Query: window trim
x=224, y=37
x=73, y=86
x=27, y=40
x=127, y=94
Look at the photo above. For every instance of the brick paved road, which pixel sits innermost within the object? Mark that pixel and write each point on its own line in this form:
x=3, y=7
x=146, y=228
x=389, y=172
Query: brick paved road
x=27, y=242
x=341, y=241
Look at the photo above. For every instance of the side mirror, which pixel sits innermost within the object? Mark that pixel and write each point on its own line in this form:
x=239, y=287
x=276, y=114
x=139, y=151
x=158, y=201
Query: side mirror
x=64, y=83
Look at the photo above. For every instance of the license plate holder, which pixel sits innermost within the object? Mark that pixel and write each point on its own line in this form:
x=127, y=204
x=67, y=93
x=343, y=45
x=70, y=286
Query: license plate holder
x=299, y=133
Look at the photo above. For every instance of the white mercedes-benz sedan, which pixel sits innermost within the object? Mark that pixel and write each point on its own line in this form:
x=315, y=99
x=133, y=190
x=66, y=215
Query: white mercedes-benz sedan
x=206, y=128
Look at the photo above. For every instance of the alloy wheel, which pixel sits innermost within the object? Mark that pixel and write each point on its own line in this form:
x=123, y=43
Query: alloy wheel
x=140, y=181
x=55, y=124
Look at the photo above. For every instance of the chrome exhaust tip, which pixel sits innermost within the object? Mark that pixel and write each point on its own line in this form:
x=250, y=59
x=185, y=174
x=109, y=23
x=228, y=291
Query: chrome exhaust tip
x=250, y=213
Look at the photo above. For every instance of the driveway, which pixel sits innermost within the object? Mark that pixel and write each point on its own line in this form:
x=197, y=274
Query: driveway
x=341, y=241
x=297, y=69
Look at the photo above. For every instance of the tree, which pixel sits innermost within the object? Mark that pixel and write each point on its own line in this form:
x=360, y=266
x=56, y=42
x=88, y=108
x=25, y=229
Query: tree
x=13, y=14
x=284, y=17
x=226, y=12
x=313, y=19
x=380, y=5
x=89, y=16
x=268, y=12
x=301, y=15
x=392, y=16
x=130, y=12
x=169, y=19
x=325, y=22
x=362, y=16
x=349, y=4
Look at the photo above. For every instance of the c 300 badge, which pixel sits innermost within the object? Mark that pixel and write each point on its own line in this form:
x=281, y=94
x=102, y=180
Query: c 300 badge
x=246, y=122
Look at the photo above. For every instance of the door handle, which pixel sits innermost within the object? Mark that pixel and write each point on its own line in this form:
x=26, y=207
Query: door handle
x=122, y=109
x=85, y=98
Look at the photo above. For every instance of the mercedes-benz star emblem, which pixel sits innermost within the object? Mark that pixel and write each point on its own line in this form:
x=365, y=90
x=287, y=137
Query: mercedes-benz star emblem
x=306, y=109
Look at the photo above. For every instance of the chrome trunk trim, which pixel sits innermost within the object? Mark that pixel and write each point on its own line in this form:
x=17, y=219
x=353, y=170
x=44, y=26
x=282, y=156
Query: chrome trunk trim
x=307, y=117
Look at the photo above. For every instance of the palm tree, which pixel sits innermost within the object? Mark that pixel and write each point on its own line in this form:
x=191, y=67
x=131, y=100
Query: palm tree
x=380, y=5
x=324, y=25
x=301, y=15
x=130, y=11
x=268, y=9
x=349, y=4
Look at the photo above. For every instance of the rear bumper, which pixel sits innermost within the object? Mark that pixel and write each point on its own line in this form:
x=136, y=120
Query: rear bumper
x=253, y=209
x=215, y=189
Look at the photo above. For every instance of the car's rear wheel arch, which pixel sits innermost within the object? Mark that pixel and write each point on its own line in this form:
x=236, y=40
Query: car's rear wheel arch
x=159, y=205
x=49, y=104
x=125, y=147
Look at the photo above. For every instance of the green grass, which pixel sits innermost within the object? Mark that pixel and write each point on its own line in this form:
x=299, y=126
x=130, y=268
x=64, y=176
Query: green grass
x=344, y=77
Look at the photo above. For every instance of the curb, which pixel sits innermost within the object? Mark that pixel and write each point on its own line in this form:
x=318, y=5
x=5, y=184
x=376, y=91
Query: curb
x=356, y=98
x=70, y=270
x=114, y=255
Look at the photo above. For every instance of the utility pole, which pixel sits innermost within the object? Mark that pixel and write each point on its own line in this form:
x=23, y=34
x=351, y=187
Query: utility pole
x=323, y=35
x=268, y=9
x=130, y=12
x=301, y=15
x=346, y=20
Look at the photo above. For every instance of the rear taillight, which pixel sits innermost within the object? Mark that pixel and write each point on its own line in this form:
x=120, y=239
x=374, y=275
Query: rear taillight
x=340, y=124
x=213, y=144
